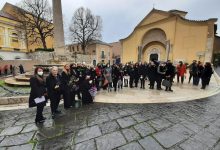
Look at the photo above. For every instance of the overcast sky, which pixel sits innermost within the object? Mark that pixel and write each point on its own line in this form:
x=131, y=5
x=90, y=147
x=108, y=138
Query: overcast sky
x=121, y=16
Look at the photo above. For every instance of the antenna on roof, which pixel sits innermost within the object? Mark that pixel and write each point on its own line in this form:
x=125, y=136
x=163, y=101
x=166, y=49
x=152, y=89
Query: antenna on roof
x=153, y=5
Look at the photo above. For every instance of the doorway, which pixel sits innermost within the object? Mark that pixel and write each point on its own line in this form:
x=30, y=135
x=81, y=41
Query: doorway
x=153, y=57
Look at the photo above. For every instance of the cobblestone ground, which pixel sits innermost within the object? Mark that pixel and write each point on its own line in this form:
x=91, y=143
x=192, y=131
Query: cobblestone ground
x=193, y=125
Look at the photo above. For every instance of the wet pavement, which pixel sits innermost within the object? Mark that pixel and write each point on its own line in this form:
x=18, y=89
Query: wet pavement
x=188, y=125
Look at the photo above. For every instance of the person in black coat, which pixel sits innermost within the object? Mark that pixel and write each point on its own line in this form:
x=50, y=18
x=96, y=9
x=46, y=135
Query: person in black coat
x=136, y=74
x=206, y=75
x=65, y=79
x=152, y=74
x=115, y=76
x=38, y=90
x=170, y=74
x=53, y=83
x=161, y=70
x=131, y=73
x=86, y=86
x=143, y=74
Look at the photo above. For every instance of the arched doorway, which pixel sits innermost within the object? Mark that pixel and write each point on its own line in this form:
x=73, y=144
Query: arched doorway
x=154, y=45
x=154, y=51
x=153, y=57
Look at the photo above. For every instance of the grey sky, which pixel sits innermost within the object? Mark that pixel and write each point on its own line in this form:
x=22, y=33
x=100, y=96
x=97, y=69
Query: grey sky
x=121, y=16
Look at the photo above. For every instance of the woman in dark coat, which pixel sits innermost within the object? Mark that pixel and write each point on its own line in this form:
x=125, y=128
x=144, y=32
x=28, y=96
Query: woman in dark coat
x=115, y=76
x=169, y=75
x=53, y=83
x=65, y=79
x=152, y=74
x=86, y=86
x=206, y=75
x=38, y=90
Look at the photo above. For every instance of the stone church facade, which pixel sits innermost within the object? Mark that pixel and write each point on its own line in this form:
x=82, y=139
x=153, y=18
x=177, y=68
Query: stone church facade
x=168, y=35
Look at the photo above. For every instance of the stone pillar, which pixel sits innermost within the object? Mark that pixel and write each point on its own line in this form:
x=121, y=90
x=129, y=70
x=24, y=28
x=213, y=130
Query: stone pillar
x=139, y=53
x=59, y=44
x=167, y=49
x=210, y=40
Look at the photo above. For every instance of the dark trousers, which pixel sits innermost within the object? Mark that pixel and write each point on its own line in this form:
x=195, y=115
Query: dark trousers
x=136, y=81
x=152, y=82
x=97, y=83
x=195, y=80
x=204, y=82
x=182, y=78
x=54, y=103
x=143, y=83
x=131, y=82
x=115, y=81
x=66, y=98
x=159, y=80
x=190, y=77
x=39, y=114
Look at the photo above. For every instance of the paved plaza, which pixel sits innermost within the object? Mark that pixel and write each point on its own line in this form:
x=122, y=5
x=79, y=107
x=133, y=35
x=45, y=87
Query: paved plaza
x=186, y=125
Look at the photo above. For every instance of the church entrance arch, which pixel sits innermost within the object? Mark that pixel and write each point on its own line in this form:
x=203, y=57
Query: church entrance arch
x=154, y=51
x=154, y=45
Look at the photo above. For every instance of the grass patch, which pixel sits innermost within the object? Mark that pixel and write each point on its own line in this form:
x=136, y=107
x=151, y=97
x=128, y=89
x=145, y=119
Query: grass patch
x=2, y=82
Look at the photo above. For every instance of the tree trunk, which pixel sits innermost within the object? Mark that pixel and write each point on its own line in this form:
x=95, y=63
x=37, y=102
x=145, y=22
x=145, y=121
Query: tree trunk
x=43, y=40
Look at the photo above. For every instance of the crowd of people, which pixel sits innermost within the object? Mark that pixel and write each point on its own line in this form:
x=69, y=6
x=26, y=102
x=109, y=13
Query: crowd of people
x=11, y=70
x=84, y=81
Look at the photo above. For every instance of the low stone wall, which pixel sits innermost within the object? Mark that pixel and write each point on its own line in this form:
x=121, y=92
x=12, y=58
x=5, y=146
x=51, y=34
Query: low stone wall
x=14, y=100
x=27, y=64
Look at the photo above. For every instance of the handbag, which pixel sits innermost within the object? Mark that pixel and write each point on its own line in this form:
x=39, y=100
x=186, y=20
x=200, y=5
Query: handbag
x=93, y=91
x=105, y=82
x=166, y=83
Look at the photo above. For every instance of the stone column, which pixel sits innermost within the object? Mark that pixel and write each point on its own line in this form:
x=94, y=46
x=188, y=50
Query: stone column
x=139, y=53
x=59, y=44
x=210, y=40
x=167, y=50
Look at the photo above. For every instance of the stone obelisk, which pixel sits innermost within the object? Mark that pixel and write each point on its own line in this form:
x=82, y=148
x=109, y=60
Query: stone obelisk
x=59, y=44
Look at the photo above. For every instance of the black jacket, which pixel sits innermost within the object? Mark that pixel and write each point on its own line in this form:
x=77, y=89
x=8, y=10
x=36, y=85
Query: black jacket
x=38, y=89
x=51, y=82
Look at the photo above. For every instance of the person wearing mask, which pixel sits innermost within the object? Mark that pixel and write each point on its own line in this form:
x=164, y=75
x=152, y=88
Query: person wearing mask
x=65, y=87
x=181, y=71
x=38, y=94
x=53, y=82
x=206, y=75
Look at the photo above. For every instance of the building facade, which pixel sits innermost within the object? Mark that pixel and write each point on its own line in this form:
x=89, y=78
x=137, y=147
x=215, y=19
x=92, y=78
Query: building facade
x=99, y=51
x=13, y=41
x=117, y=52
x=168, y=35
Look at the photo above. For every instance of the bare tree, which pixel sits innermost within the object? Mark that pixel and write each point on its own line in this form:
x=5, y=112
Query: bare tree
x=85, y=27
x=36, y=18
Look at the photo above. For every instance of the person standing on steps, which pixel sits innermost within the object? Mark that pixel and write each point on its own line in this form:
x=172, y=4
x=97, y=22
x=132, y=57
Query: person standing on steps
x=38, y=92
